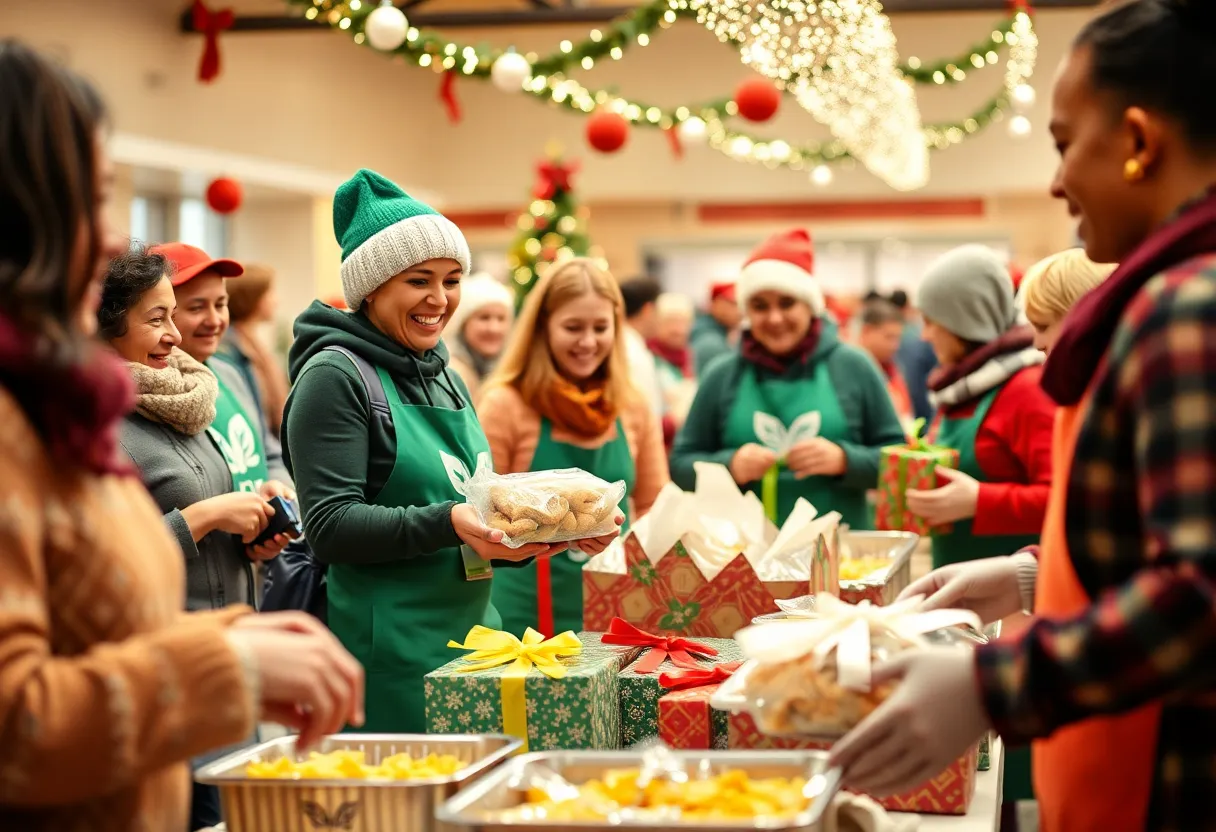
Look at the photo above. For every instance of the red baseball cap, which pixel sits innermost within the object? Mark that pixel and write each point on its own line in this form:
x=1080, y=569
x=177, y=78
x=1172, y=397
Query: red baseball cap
x=722, y=290
x=190, y=261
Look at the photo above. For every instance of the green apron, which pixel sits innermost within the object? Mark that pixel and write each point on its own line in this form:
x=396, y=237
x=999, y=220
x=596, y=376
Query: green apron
x=960, y=545
x=787, y=399
x=240, y=440
x=515, y=590
x=396, y=618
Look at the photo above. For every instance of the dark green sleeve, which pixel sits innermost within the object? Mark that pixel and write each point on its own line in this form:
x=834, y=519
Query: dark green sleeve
x=870, y=413
x=327, y=432
x=700, y=440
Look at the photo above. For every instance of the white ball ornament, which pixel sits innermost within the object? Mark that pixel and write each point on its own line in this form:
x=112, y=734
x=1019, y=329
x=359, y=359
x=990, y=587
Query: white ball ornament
x=692, y=129
x=509, y=71
x=386, y=27
x=1023, y=96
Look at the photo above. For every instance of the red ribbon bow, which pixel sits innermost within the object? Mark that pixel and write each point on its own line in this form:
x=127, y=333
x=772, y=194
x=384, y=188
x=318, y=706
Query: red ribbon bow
x=552, y=176
x=210, y=24
x=447, y=94
x=679, y=650
x=698, y=678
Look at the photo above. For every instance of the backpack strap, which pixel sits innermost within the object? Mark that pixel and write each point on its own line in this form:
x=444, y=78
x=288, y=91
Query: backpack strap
x=376, y=397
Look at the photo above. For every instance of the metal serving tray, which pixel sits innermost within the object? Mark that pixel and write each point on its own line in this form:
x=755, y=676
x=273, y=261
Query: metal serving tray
x=257, y=805
x=475, y=807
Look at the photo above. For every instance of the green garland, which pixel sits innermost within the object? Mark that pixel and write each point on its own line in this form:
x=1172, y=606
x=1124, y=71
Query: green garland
x=616, y=37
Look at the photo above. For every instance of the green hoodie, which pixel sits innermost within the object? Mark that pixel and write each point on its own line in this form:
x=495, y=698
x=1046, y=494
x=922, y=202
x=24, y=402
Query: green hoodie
x=860, y=389
x=340, y=458
x=708, y=340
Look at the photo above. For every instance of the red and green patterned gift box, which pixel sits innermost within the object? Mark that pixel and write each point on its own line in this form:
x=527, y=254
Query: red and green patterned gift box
x=686, y=719
x=905, y=467
x=949, y=793
x=663, y=658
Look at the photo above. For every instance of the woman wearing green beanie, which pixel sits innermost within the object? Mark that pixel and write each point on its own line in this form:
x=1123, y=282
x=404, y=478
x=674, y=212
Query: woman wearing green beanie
x=380, y=435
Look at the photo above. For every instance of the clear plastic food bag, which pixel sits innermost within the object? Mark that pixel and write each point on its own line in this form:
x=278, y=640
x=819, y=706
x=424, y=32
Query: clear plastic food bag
x=811, y=678
x=545, y=506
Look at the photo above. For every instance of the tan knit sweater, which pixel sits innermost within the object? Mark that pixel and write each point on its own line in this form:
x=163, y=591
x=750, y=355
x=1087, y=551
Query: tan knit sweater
x=106, y=686
x=513, y=430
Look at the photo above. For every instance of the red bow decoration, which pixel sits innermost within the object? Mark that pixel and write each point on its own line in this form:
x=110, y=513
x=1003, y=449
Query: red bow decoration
x=673, y=139
x=447, y=94
x=552, y=176
x=210, y=24
x=679, y=650
x=699, y=678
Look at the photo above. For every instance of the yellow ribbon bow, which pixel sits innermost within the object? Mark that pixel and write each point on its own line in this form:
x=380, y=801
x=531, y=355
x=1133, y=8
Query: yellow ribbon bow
x=494, y=648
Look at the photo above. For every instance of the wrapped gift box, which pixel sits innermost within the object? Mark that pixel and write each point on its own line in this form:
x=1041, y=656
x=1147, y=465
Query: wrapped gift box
x=904, y=467
x=949, y=793
x=559, y=701
x=706, y=564
x=641, y=683
x=687, y=721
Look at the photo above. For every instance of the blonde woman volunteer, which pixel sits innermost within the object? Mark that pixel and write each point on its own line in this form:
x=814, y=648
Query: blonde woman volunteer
x=1053, y=286
x=377, y=430
x=562, y=398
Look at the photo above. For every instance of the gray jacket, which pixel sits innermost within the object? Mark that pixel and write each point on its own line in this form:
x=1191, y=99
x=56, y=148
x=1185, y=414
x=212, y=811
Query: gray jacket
x=180, y=471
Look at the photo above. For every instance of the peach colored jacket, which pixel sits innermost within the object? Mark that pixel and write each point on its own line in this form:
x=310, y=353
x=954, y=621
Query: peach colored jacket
x=513, y=429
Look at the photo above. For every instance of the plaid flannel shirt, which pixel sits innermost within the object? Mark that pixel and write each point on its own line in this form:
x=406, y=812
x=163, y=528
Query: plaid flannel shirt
x=1141, y=531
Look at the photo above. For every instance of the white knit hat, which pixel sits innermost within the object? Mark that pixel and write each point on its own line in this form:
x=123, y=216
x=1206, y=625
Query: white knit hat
x=782, y=263
x=477, y=292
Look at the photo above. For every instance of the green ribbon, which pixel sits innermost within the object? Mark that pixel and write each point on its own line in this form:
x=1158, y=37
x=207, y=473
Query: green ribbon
x=768, y=491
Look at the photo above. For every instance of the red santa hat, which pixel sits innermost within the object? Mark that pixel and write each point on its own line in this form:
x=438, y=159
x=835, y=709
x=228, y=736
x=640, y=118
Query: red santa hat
x=782, y=263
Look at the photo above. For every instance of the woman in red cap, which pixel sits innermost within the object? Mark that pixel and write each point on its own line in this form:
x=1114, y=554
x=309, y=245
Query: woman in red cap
x=794, y=396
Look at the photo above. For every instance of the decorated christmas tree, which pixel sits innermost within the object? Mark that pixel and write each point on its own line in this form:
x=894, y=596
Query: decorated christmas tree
x=552, y=228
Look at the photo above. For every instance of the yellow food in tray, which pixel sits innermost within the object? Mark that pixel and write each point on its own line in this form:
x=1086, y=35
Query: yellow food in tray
x=856, y=569
x=730, y=796
x=352, y=765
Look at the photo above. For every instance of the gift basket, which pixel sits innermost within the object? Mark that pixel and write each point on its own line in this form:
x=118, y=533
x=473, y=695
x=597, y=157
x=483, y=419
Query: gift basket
x=812, y=678
x=545, y=506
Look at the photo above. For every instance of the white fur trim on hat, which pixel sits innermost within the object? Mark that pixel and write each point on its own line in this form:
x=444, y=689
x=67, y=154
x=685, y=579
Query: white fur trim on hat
x=478, y=292
x=779, y=276
x=389, y=252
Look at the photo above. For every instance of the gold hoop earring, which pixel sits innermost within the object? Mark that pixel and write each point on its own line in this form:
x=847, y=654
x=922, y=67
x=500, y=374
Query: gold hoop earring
x=1133, y=171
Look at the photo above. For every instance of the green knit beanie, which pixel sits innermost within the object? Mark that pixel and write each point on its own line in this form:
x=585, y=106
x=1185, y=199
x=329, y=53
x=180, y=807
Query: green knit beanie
x=383, y=231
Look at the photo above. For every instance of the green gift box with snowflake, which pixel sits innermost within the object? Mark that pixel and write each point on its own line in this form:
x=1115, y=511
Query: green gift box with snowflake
x=557, y=693
x=641, y=683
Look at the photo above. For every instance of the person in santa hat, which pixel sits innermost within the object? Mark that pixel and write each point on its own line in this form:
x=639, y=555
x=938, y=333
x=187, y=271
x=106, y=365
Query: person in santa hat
x=714, y=331
x=793, y=397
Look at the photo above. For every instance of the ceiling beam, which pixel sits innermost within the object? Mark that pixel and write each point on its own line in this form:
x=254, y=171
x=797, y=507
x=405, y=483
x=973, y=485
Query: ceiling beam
x=542, y=14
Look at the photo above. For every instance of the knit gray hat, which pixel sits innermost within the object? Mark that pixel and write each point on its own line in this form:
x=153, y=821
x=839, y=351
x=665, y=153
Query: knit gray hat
x=383, y=231
x=968, y=292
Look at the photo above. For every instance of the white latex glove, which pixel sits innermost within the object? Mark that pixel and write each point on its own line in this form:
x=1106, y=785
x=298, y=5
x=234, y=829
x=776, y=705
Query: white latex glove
x=858, y=813
x=925, y=725
x=987, y=587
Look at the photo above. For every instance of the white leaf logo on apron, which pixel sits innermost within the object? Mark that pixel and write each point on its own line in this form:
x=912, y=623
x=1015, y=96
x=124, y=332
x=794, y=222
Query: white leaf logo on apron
x=774, y=436
x=458, y=472
x=239, y=446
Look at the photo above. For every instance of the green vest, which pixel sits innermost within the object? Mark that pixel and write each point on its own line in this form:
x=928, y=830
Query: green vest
x=515, y=590
x=240, y=439
x=786, y=400
x=396, y=618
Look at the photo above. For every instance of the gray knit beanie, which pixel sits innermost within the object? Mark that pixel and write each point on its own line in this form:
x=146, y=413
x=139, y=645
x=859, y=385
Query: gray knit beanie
x=968, y=292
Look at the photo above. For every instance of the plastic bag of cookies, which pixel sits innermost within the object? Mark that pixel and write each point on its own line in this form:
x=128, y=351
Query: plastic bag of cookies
x=812, y=678
x=546, y=506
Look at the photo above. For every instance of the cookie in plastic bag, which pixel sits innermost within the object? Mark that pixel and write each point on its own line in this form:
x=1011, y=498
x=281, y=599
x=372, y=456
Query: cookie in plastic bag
x=546, y=506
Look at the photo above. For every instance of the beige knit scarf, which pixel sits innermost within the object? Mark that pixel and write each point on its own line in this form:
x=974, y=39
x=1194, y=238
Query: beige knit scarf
x=181, y=396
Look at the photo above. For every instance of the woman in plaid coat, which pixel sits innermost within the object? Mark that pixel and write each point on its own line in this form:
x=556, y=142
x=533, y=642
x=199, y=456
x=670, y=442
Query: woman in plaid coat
x=1115, y=680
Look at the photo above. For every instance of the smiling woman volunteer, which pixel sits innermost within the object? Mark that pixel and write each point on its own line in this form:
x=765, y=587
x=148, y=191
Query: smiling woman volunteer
x=1114, y=679
x=562, y=399
x=1053, y=286
x=477, y=333
x=791, y=362
x=380, y=435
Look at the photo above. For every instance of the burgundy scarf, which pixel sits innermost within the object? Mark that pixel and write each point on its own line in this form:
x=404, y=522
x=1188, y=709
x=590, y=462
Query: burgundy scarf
x=1090, y=326
x=758, y=354
x=1015, y=340
x=75, y=409
x=678, y=357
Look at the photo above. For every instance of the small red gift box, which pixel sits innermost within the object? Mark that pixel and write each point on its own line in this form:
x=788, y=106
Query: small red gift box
x=686, y=719
x=949, y=793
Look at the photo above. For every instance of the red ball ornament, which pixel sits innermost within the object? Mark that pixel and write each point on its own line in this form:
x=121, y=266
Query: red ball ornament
x=225, y=195
x=757, y=99
x=607, y=131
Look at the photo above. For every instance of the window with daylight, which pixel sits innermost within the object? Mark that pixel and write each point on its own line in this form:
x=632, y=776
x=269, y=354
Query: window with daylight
x=159, y=219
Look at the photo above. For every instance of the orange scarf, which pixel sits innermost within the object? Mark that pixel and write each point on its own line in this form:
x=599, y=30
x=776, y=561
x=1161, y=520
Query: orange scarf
x=584, y=412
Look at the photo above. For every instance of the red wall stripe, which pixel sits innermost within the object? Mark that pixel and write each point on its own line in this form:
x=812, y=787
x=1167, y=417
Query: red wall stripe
x=467, y=220
x=887, y=209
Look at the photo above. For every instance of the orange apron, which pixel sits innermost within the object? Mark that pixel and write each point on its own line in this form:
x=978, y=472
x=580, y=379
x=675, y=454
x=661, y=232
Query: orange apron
x=1095, y=775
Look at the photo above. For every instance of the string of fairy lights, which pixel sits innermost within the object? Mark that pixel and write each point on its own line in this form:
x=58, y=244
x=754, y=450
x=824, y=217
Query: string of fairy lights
x=873, y=119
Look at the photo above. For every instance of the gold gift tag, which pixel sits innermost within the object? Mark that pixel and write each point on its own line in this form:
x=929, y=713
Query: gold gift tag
x=475, y=569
